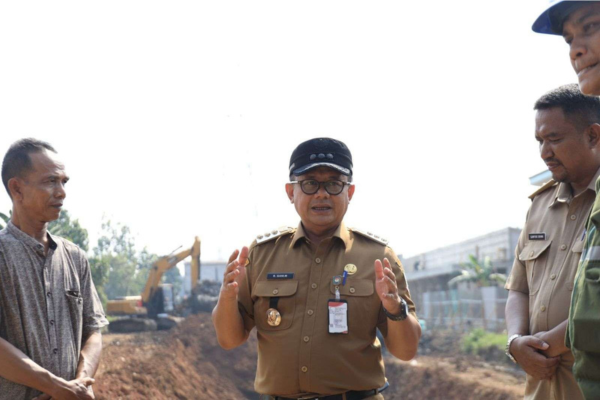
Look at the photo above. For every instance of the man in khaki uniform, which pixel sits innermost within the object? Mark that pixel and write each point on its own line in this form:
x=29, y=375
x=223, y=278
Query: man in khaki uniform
x=318, y=293
x=541, y=281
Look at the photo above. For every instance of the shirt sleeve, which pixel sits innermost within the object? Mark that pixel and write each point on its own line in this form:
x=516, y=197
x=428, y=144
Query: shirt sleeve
x=245, y=303
x=93, y=313
x=403, y=290
x=517, y=280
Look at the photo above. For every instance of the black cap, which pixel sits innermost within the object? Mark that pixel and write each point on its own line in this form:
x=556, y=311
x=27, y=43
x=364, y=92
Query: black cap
x=321, y=152
x=552, y=19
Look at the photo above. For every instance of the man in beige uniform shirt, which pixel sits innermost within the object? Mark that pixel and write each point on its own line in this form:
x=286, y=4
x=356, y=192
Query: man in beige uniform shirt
x=548, y=252
x=318, y=293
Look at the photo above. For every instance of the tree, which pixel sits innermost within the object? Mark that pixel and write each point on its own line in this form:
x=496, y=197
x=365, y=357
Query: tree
x=482, y=274
x=70, y=230
x=122, y=270
x=173, y=276
x=145, y=261
x=116, y=260
x=3, y=220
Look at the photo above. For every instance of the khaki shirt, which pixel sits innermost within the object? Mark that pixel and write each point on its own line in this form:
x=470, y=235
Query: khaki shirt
x=546, y=261
x=300, y=356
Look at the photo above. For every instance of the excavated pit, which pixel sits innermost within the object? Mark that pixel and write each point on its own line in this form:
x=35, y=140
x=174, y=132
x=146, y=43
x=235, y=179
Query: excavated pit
x=187, y=363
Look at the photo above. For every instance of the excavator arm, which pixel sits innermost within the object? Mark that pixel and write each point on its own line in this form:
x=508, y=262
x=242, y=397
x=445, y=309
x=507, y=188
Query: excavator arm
x=165, y=263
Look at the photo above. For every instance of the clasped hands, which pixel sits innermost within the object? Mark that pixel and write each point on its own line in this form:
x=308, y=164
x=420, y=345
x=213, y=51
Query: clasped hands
x=77, y=389
x=534, y=355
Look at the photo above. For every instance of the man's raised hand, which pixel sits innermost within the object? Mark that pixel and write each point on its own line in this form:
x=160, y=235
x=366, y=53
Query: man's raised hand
x=386, y=287
x=236, y=268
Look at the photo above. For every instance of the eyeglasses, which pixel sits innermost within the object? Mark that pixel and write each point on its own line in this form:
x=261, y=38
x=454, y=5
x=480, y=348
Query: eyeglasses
x=311, y=186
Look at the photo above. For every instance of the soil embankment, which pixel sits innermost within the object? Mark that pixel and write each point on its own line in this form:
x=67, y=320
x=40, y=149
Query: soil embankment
x=187, y=363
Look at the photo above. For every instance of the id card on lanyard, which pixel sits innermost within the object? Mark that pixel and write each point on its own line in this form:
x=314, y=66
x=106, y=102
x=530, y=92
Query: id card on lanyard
x=338, y=311
x=338, y=316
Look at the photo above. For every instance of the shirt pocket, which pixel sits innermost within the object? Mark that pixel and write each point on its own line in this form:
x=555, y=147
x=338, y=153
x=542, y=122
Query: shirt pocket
x=576, y=249
x=355, y=287
x=535, y=256
x=591, y=265
x=281, y=292
x=75, y=309
x=363, y=304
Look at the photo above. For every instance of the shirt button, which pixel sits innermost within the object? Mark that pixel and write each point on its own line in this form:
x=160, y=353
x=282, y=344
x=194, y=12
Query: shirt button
x=49, y=294
x=563, y=247
x=553, y=276
x=304, y=369
x=314, y=286
x=531, y=254
x=352, y=290
x=306, y=339
x=275, y=291
x=543, y=308
x=51, y=322
x=55, y=351
x=310, y=312
x=318, y=260
x=573, y=217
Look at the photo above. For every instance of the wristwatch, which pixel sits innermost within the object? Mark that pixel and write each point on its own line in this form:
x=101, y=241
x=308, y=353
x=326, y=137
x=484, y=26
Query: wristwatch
x=507, y=350
x=401, y=316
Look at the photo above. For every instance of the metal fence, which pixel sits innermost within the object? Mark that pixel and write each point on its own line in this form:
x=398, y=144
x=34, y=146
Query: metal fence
x=464, y=310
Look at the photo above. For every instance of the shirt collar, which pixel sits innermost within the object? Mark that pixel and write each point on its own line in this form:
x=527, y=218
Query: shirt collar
x=592, y=185
x=30, y=241
x=341, y=233
x=564, y=193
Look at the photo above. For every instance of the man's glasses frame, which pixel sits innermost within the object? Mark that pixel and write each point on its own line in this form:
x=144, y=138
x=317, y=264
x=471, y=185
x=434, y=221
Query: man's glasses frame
x=312, y=186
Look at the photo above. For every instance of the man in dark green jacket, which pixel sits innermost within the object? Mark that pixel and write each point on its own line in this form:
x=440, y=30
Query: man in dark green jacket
x=579, y=24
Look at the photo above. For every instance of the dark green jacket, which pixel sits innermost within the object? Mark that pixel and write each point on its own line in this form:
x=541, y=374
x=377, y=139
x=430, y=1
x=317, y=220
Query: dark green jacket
x=583, y=332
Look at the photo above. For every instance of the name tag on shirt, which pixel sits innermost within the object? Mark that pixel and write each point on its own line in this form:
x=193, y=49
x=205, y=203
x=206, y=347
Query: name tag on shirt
x=537, y=236
x=281, y=275
x=338, y=316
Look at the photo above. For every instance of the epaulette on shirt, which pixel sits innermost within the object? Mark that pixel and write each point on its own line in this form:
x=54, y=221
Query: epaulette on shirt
x=372, y=236
x=544, y=187
x=265, y=237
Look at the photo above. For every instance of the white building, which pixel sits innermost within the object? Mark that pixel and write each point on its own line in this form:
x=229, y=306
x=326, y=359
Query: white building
x=209, y=271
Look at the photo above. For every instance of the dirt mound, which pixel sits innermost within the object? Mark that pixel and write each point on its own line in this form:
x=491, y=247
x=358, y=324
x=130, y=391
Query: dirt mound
x=187, y=363
x=435, y=378
x=184, y=363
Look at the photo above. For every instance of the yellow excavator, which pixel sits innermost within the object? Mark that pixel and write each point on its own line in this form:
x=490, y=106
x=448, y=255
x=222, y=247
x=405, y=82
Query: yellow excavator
x=155, y=308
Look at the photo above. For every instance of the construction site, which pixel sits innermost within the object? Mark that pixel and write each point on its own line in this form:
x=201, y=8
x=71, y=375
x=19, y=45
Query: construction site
x=187, y=363
x=157, y=349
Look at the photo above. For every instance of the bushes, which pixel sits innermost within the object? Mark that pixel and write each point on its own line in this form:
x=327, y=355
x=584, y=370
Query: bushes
x=482, y=343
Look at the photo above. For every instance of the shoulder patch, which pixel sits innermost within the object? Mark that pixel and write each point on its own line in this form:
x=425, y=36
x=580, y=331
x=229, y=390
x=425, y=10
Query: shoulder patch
x=370, y=235
x=544, y=187
x=265, y=237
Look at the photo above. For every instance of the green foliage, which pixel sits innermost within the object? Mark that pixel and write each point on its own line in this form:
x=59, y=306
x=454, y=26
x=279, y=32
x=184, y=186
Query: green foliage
x=3, y=220
x=484, y=274
x=116, y=262
x=479, y=341
x=145, y=262
x=70, y=230
x=173, y=276
x=121, y=270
